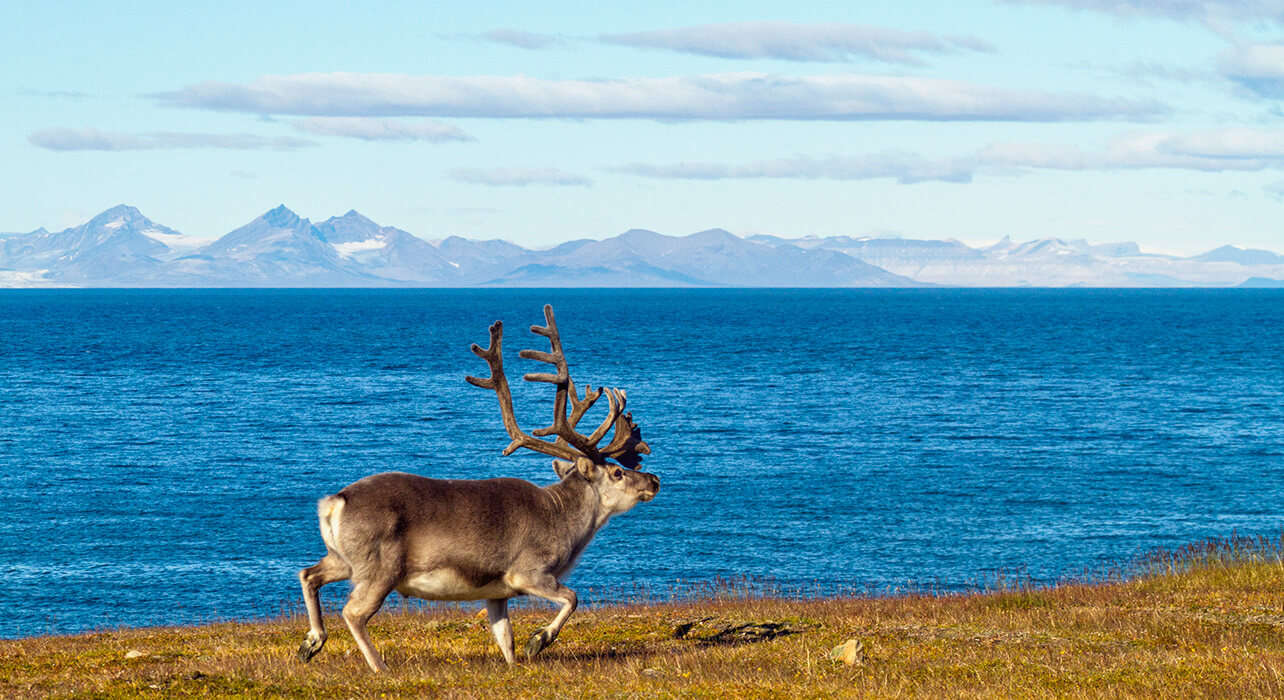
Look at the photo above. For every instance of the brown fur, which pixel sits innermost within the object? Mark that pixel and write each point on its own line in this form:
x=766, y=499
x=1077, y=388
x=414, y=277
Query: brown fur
x=506, y=537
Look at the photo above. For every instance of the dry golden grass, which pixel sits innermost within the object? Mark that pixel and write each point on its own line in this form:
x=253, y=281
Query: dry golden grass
x=1213, y=627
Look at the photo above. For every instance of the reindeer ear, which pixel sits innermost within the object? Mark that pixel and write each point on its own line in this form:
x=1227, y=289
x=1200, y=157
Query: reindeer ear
x=562, y=467
x=586, y=467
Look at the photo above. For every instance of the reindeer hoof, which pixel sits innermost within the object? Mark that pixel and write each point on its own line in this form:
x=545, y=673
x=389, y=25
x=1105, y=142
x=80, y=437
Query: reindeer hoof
x=538, y=642
x=309, y=648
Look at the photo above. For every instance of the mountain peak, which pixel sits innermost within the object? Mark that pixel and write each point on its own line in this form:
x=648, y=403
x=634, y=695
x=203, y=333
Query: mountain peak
x=1241, y=256
x=118, y=212
x=1001, y=245
x=1225, y=250
x=355, y=216
x=121, y=209
x=715, y=234
x=281, y=217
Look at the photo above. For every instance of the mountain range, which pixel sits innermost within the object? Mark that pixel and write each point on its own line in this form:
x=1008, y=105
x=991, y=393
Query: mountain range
x=123, y=248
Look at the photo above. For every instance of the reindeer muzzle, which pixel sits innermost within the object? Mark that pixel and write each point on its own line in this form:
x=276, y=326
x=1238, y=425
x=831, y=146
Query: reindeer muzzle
x=655, y=488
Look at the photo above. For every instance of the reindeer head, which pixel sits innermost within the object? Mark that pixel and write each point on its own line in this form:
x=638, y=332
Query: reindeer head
x=613, y=469
x=618, y=489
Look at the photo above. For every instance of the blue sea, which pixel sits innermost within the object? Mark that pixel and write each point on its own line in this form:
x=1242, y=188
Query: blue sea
x=161, y=452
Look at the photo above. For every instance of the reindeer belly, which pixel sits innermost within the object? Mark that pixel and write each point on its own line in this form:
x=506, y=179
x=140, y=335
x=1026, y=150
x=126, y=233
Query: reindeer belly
x=448, y=584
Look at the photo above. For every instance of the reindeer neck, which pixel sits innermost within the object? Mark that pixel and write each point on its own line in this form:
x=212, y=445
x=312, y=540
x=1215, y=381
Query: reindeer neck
x=576, y=502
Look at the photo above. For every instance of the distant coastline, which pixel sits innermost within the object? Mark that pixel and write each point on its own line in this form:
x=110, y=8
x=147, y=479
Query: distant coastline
x=123, y=248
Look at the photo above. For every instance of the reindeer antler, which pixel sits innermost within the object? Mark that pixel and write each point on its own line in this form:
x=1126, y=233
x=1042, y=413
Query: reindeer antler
x=498, y=382
x=626, y=446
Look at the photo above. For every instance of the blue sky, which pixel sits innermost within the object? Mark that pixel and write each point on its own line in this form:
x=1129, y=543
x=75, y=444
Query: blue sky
x=1158, y=121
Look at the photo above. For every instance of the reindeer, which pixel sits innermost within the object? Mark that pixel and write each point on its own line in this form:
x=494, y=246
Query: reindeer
x=489, y=539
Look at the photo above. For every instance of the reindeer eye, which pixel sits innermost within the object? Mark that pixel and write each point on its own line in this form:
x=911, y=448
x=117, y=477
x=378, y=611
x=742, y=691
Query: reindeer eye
x=617, y=474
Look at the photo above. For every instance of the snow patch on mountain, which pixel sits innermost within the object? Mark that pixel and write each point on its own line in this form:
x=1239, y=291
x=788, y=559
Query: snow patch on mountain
x=24, y=278
x=351, y=248
x=174, y=239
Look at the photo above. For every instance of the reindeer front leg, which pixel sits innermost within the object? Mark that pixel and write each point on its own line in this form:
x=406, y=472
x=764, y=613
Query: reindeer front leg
x=547, y=587
x=497, y=612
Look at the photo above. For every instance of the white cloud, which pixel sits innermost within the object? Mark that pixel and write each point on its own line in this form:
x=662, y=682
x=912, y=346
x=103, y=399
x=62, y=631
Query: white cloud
x=1227, y=143
x=904, y=168
x=731, y=96
x=1206, y=151
x=799, y=42
x=95, y=140
x=517, y=177
x=1215, y=150
x=373, y=129
x=1151, y=73
x=54, y=94
x=523, y=39
x=1181, y=10
x=1259, y=68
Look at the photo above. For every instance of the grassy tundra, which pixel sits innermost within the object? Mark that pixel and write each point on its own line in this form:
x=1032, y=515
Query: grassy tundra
x=1206, y=622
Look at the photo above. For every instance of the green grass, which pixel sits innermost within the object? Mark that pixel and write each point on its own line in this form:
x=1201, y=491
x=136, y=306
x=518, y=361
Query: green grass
x=1207, y=621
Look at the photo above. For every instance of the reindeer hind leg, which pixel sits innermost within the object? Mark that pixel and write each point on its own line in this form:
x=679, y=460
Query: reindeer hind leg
x=331, y=568
x=364, y=601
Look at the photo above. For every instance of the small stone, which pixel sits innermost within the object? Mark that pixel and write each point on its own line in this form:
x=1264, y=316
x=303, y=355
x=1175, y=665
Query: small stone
x=651, y=672
x=134, y=654
x=850, y=652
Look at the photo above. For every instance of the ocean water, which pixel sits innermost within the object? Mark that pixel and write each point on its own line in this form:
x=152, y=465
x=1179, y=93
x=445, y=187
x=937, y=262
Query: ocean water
x=161, y=452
